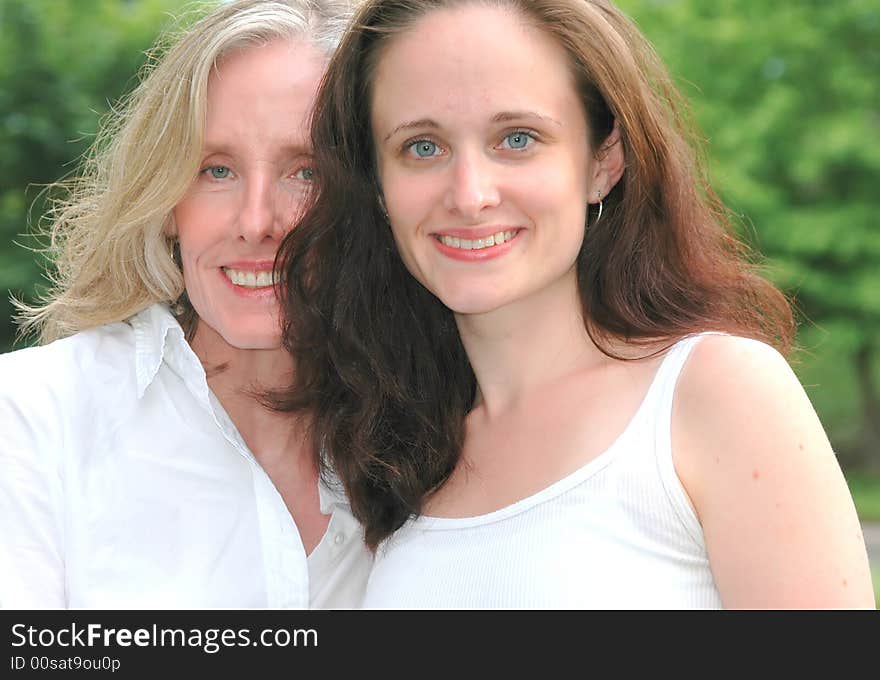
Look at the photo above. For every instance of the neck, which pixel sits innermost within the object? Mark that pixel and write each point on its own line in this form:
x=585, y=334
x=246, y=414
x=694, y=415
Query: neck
x=519, y=348
x=238, y=377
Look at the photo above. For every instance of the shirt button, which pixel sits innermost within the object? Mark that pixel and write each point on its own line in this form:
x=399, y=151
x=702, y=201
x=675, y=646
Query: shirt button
x=339, y=538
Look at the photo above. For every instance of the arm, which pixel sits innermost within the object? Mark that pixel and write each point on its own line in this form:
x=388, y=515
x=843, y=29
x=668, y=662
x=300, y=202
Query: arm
x=31, y=563
x=780, y=526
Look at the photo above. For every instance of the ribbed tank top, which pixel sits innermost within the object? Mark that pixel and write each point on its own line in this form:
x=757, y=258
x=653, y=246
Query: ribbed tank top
x=618, y=533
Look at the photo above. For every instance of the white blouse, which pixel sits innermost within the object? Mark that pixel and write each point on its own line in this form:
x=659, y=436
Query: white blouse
x=124, y=484
x=618, y=533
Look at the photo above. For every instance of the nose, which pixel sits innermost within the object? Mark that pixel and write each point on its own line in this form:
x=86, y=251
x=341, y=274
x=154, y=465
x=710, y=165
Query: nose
x=260, y=214
x=473, y=186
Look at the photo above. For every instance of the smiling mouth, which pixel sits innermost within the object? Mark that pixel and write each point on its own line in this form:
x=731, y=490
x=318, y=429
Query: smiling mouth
x=478, y=243
x=251, y=279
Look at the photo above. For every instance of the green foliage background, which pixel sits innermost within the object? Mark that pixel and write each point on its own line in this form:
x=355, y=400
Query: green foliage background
x=786, y=94
x=788, y=97
x=62, y=64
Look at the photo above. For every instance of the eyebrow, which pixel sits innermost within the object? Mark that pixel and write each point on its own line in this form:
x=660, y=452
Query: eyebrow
x=216, y=147
x=421, y=123
x=506, y=116
x=503, y=117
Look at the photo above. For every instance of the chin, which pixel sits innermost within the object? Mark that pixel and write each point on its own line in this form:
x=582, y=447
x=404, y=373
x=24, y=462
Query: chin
x=252, y=340
x=258, y=333
x=466, y=302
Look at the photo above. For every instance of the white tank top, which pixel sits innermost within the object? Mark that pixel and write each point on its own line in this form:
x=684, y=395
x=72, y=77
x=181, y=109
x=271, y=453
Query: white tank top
x=618, y=533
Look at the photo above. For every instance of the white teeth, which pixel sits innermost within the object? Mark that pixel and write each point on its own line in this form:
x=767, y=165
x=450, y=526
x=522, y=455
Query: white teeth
x=477, y=244
x=251, y=279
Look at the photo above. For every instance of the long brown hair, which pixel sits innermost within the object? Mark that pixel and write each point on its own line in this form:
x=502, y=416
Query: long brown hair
x=380, y=364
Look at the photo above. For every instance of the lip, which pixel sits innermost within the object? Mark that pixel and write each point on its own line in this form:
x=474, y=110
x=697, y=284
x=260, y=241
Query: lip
x=255, y=266
x=473, y=233
x=263, y=293
x=480, y=255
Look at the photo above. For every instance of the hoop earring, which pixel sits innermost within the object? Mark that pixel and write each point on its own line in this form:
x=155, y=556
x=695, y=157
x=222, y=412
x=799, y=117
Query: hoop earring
x=599, y=216
x=180, y=305
x=175, y=254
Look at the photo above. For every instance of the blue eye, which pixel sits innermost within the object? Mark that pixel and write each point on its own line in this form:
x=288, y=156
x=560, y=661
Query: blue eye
x=307, y=174
x=423, y=148
x=517, y=140
x=218, y=171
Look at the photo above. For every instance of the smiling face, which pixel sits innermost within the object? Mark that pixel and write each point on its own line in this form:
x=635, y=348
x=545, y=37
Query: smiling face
x=483, y=156
x=253, y=178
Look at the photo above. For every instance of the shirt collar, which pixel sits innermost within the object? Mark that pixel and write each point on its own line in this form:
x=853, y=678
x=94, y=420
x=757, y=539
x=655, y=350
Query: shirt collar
x=158, y=338
x=331, y=494
x=155, y=328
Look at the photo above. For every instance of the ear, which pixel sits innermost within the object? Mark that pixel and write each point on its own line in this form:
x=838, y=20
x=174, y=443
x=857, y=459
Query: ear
x=610, y=164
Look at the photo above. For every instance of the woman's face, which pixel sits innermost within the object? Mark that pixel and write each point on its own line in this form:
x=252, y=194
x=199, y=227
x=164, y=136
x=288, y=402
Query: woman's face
x=483, y=156
x=255, y=171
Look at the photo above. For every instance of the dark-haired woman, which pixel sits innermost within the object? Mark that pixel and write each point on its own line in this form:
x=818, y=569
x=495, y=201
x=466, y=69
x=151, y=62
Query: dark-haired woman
x=539, y=360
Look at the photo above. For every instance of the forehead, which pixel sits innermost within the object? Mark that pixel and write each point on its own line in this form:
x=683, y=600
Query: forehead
x=472, y=50
x=280, y=66
x=263, y=89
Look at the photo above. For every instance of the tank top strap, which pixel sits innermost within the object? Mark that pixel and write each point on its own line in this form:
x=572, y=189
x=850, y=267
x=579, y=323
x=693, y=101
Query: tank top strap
x=660, y=411
x=672, y=365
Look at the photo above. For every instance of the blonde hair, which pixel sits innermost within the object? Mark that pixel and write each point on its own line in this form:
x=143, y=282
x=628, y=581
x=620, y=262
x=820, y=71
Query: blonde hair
x=109, y=231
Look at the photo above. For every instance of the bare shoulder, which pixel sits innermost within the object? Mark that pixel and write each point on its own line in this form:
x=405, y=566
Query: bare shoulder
x=740, y=407
x=734, y=369
x=777, y=516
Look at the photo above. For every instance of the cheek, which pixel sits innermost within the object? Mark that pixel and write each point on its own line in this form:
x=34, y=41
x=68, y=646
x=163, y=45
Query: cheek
x=562, y=190
x=200, y=220
x=190, y=214
x=196, y=238
x=408, y=195
x=403, y=239
x=291, y=201
x=192, y=275
x=408, y=201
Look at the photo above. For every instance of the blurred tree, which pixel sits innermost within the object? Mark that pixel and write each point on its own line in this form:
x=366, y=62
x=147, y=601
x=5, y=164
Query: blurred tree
x=788, y=97
x=62, y=64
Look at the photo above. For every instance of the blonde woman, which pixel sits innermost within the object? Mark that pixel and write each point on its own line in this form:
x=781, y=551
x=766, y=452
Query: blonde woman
x=139, y=467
